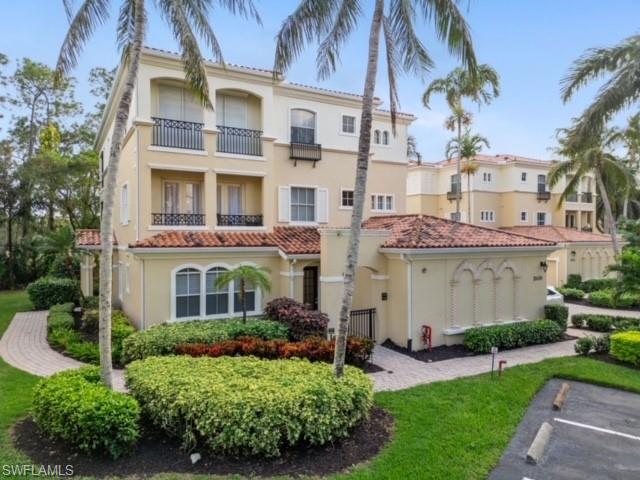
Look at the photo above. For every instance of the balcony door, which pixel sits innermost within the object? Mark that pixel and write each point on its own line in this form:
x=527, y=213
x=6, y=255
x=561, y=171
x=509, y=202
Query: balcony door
x=231, y=111
x=178, y=103
x=229, y=199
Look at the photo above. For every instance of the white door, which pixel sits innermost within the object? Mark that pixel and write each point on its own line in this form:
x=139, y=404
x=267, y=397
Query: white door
x=233, y=111
x=234, y=193
x=171, y=197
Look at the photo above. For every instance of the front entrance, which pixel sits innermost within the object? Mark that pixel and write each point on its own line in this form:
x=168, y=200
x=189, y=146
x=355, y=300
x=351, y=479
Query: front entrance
x=310, y=287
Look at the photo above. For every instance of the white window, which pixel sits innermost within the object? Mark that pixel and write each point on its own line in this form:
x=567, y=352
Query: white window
x=231, y=111
x=188, y=293
x=524, y=217
x=192, y=198
x=303, y=204
x=178, y=103
x=181, y=197
x=303, y=126
x=487, y=216
x=249, y=297
x=348, y=124
x=346, y=198
x=455, y=216
x=216, y=300
x=376, y=137
x=382, y=202
x=385, y=138
x=124, y=204
x=523, y=177
x=486, y=177
x=542, y=183
x=541, y=218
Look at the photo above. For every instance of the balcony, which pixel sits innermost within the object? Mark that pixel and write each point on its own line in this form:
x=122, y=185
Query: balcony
x=543, y=194
x=572, y=197
x=455, y=193
x=586, y=197
x=305, y=151
x=241, y=141
x=239, y=220
x=177, y=134
x=177, y=219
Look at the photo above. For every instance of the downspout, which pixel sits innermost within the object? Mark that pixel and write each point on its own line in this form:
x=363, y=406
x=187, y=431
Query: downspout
x=406, y=259
x=142, y=299
x=292, y=278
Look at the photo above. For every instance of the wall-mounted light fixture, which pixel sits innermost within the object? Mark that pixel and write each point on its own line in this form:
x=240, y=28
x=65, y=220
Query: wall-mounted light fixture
x=544, y=266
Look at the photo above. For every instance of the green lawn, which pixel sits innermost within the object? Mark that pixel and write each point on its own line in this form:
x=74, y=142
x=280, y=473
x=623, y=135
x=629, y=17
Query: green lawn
x=447, y=430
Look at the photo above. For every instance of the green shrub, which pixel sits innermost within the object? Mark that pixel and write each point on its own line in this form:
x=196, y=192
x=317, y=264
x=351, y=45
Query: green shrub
x=558, y=314
x=48, y=291
x=608, y=299
x=62, y=307
x=625, y=346
x=583, y=345
x=602, y=344
x=626, y=323
x=578, y=319
x=90, y=320
x=57, y=321
x=513, y=335
x=163, y=339
x=75, y=407
x=92, y=302
x=598, y=284
x=573, y=280
x=572, y=293
x=87, y=352
x=249, y=406
x=121, y=329
x=601, y=298
x=62, y=267
x=599, y=323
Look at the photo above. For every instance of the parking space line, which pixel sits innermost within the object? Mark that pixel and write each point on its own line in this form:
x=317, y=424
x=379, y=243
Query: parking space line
x=597, y=429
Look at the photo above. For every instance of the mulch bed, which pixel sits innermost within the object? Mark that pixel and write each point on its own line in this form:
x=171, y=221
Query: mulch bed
x=607, y=358
x=155, y=453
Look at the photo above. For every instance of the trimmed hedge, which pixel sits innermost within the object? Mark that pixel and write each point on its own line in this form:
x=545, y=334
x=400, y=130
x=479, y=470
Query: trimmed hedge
x=586, y=344
x=513, y=335
x=92, y=302
x=572, y=293
x=607, y=298
x=598, y=284
x=314, y=349
x=574, y=280
x=163, y=339
x=301, y=321
x=48, y=291
x=249, y=406
x=74, y=406
x=625, y=346
x=558, y=314
x=604, y=323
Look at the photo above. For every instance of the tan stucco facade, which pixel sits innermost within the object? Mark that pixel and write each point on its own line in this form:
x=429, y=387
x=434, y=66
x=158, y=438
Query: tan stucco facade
x=589, y=260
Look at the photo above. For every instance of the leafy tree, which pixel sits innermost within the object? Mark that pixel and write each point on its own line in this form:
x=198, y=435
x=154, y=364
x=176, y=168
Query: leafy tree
x=60, y=244
x=9, y=207
x=628, y=268
x=331, y=24
x=188, y=19
x=412, y=150
x=246, y=276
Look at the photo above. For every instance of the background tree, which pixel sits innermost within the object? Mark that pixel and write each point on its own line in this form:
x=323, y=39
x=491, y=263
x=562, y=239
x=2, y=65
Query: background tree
x=188, y=20
x=413, y=154
x=481, y=86
x=331, y=24
x=466, y=148
x=245, y=276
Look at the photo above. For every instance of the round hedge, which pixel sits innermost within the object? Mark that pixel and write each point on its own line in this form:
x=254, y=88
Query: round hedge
x=249, y=406
x=625, y=346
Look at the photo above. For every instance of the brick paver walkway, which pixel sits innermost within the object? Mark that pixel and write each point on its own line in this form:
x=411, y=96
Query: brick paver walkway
x=24, y=345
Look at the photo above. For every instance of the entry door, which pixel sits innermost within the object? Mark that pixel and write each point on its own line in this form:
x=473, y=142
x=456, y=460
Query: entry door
x=310, y=287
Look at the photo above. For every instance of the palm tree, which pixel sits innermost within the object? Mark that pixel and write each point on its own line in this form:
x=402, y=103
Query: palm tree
x=246, y=276
x=59, y=243
x=466, y=148
x=622, y=89
x=597, y=156
x=332, y=23
x=412, y=149
x=186, y=19
x=481, y=87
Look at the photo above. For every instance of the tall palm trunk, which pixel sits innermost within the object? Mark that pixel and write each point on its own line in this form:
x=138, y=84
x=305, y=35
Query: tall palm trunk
x=610, y=222
x=364, y=146
x=108, y=194
x=470, y=219
x=243, y=295
x=459, y=174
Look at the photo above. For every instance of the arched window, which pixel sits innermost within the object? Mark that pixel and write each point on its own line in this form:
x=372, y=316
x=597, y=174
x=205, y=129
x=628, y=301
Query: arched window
x=217, y=300
x=188, y=293
x=385, y=138
x=376, y=137
x=303, y=126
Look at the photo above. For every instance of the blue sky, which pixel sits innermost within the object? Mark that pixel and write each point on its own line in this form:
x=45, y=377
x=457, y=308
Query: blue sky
x=531, y=43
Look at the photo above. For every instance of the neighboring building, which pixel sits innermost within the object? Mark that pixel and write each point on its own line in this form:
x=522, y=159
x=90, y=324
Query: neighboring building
x=506, y=191
x=584, y=253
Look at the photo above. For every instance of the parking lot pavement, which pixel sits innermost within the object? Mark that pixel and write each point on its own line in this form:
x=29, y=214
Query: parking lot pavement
x=596, y=435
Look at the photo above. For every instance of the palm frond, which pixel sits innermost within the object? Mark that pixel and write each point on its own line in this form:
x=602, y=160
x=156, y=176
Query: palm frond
x=392, y=67
x=68, y=9
x=244, y=8
x=125, y=28
x=439, y=85
x=310, y=21
x=198, y=13
x=560, y=170
x=329, y=49
x=415, y=58
x=90, y=15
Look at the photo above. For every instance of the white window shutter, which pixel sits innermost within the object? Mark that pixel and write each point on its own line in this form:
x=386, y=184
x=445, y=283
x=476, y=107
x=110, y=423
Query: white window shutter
x=283, y=204
x=323, y=205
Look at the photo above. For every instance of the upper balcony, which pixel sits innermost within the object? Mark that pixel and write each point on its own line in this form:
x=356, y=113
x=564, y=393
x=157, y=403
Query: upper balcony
x=177, y=199
x=302, y=144
x=239, y=122
x=239, y=201
x=543, y=194
x=455, y=193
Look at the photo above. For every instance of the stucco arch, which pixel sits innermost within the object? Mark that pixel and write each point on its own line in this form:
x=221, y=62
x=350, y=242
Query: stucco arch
x=464, y=266
x=486, y=265
x=507, y=264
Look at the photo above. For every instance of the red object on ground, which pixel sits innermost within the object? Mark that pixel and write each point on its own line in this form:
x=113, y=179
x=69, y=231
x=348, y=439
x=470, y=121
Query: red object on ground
x=501, y=364
x=426, y=335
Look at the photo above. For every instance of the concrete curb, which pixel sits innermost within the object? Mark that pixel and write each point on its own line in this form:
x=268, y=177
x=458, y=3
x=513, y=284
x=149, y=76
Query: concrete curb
x=539, y=444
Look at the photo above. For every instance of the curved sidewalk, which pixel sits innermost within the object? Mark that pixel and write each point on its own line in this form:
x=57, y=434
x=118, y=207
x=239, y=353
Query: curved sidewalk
x=24, y=346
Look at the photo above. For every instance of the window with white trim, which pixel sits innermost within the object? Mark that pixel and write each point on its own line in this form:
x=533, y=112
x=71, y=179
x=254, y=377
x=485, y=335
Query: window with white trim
x=455, y=216
x=385, y=138
x=303, y=204
x=303, y=126
x=188, y=293
x=524, y=216
x=124, y=204
x=216, y=299
x=348, y=124
x=249, y=297
x=523, y=177
x=541, y=218
x=487, y=177
x=487, y=216
x=376, y=137
x=346, y=198
x=382, y=202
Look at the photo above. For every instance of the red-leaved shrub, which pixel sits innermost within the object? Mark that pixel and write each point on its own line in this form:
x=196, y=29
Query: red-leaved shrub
x=315, y=349
x=301, y=321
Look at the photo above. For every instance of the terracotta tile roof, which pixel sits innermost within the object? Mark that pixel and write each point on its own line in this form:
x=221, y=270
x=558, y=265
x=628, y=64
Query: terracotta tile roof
x=559, y=234
x=425, y=231
x=90, y=238
x=291, y=240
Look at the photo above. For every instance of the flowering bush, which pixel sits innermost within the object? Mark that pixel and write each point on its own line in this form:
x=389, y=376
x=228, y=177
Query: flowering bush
x=301, y=321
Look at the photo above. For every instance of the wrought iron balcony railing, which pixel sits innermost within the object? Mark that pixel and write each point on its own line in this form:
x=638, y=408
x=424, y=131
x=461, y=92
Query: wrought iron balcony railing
x=239, y=220
x=586, y=197
x=177, y=134
x=305, y=151
x=455, y=193
x=543, y=194
x=239, y=140
x=572, y=197
x=183, y=219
